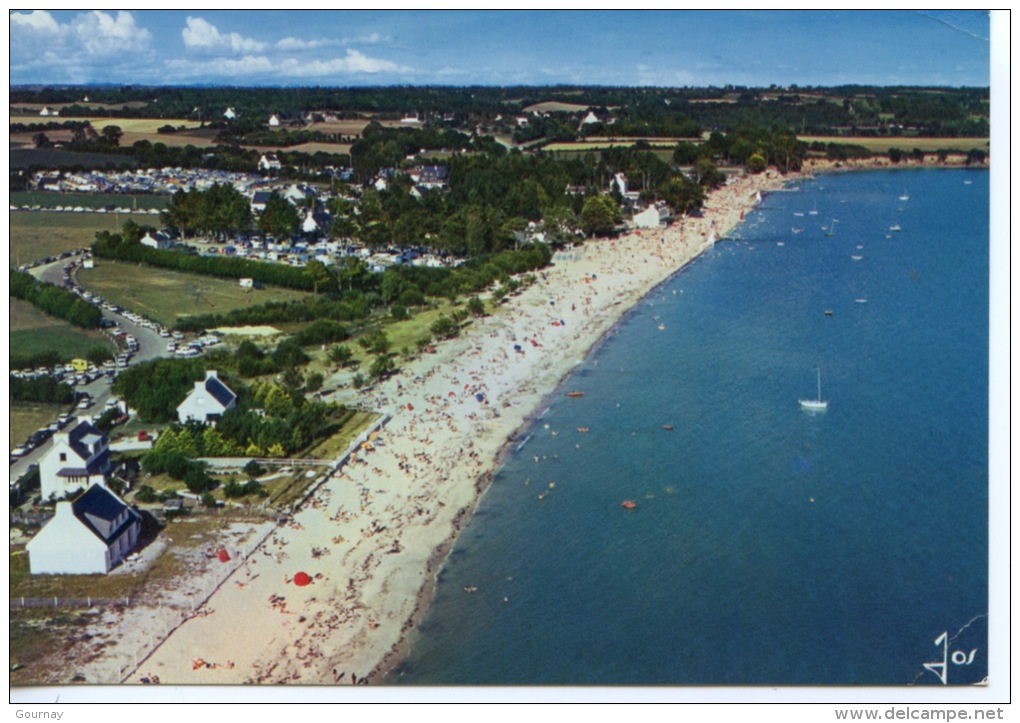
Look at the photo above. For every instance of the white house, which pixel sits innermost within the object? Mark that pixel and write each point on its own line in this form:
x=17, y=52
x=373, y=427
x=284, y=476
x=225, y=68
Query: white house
x=229, y=114
x=158, y=241
x=207, y=401
x=274, y=120
x=269, y=162
x=78, y=458
x=88, y=536
x=649, y=218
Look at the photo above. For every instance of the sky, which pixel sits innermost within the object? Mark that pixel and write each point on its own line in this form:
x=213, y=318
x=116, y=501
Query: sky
x=524, y=47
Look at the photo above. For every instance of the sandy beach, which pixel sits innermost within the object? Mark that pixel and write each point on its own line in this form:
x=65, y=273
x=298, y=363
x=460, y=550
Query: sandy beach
x=371, y=539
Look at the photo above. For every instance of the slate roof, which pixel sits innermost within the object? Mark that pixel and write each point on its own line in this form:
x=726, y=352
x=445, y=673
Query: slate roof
x=99, y=510
x=83, y=437
x=94, y=466
x=219, y=391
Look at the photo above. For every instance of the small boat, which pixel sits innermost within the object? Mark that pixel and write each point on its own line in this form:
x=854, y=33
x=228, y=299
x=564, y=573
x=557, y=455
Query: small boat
x=628, y=504
x=582, y=430
x=861, y=301
x=895, y=227
x=575, y=394
x=813, y=211
x=668, y=427
x=857, y=258
x=905, y=196
x=815, y=405
x=828, y=312
x=832, y=228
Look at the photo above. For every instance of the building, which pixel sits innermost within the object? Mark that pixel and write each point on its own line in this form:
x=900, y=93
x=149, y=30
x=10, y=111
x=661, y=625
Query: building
x=274, y=120
x=158, y=240
x=88, y=536
x=207, y=401
x=649, y=218
x=78, y=458
x=431, y=176
x=230, y=114
x=269, y=162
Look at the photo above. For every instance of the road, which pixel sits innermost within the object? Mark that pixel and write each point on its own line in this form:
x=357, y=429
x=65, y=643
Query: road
x=150, y=346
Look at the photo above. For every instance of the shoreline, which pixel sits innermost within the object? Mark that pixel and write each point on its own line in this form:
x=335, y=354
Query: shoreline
x=376, y=534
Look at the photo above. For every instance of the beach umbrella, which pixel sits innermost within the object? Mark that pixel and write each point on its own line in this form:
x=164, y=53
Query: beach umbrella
x=517, y=348
x=480, y=397
x=223, y=555
x=302, y=579
x=410, y=407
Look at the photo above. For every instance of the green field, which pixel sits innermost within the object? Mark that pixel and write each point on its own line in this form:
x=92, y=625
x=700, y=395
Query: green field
x=165, y=295
x=33, y=332
x=48, y=199
x=904, y=143
x=38, y=234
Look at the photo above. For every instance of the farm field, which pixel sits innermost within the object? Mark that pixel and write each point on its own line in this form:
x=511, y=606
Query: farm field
x=906, y=143
x=38, y=234
x=552, y=106
x=19, y=111
x=166, y=295
x=33, y=332
x=310, y=148
x=595, y=145
x=139, y=125
x=351, y=127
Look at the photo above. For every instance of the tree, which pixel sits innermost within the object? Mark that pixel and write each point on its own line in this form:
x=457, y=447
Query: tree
x=445, y=328
x=112, y=135
x=341, y=354
x=320, y=275
x=476, y=306
x=599, y=215
x=756, y=163
x=279, y=218
x=381, y=367
x=682, y=194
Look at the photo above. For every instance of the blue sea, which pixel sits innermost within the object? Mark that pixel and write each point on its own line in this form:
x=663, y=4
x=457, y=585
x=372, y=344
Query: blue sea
x=769, y=545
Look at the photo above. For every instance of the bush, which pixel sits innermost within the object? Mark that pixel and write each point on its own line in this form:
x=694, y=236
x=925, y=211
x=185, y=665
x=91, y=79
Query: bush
x=146, y=494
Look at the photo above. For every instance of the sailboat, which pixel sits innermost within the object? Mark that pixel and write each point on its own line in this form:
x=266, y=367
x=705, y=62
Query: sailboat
x=815, y=405
x=814, y=211
x=832, y=228
x=905, y=196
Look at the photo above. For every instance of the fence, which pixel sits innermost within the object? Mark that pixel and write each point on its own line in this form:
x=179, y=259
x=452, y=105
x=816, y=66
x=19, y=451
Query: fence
x=18, y=603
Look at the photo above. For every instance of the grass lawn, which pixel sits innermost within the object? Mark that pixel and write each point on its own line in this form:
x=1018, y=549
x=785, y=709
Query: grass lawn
x=166, y=295
x=38, y=234
x=332, y=447
x=32, y=332
x=26, y=418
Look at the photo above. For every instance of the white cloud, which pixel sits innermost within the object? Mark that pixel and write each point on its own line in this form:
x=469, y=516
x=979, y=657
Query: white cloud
x=102, y=34
x=353, y=63
x=291, y=43
x=35, y=21
x=202, y=35
x=45, y=50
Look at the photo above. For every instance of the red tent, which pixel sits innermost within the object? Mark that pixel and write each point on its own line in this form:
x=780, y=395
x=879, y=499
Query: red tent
x=302, y=579
x=223, y=556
